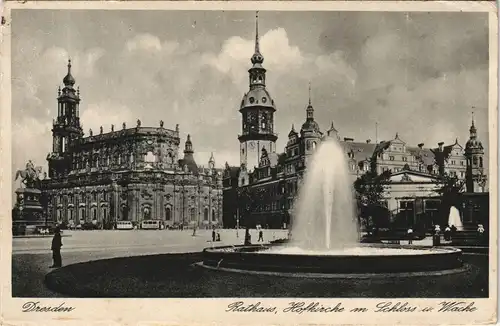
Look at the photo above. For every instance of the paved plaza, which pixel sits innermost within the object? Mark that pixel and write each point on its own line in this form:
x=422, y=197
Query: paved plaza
x=31, y=257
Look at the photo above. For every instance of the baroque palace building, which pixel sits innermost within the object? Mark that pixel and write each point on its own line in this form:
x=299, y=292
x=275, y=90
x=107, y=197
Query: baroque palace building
x=262, y=189
x=133, y=173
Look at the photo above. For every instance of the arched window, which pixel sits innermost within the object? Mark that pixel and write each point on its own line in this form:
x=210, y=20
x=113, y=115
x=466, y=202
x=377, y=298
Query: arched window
x=94, y=214
x=124, y=213
x=82, y=214
x=213, y=215
x=192, y=214
x=70, y=214
x=474, y=160
x=146, y=213
x=480, y=162
x=205, y=214
x=168, y=213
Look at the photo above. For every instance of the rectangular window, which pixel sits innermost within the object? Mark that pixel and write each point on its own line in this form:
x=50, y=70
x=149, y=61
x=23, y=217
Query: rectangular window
x=391, y=158
x=404, y=159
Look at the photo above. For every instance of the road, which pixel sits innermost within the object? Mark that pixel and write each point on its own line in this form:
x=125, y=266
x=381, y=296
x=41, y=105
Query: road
x=31, y=257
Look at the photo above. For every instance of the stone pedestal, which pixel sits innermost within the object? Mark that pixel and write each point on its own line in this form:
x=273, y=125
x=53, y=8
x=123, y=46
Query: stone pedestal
x=28, y=211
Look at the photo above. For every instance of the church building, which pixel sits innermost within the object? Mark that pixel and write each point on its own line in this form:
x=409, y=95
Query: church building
x=129, y=174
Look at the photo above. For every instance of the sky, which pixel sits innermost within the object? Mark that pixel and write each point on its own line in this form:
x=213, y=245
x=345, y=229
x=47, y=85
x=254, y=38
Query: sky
x=416, y=74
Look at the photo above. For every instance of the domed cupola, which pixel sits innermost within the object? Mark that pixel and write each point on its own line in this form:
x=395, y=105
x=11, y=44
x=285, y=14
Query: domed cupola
x=257, y=97
x=188, y=163
x=473, y=142
x=310, y=125
x=69, y=80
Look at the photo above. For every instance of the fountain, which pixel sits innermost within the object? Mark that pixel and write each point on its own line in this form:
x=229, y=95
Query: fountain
x=454, y=218
x=325, y=234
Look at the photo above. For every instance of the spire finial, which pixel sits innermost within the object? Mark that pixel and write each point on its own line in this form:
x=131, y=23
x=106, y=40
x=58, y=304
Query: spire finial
x=309, y=92
x=257, y=48
x=332, y=127
x=257, y=57
x=473, y=117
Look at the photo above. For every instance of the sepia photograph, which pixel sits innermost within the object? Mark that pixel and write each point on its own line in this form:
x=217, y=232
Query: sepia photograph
x=251, y=153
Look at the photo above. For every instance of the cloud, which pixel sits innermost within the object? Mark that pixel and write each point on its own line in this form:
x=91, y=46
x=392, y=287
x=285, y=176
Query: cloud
x=418, y=75
x=146, y=42
x=104, y=114
x=236, y=53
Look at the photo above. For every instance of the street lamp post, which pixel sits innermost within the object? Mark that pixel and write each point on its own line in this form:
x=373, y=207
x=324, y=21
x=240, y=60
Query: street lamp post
x=237, y=221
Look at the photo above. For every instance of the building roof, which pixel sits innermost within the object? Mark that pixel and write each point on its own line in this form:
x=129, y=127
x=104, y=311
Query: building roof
x=258, y=96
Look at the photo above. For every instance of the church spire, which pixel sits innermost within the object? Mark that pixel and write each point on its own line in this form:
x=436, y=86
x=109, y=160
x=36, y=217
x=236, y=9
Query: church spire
x=257, y=57
x=309, y=93
x=473, y=130
x=257, y=47
x=310, y=109
x=188, y=146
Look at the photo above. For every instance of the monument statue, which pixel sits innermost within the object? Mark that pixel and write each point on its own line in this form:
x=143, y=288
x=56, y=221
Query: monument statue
x=100, y=130
x=138, y=123
x=112, y=128
x=124, y=125
x=30, y=175
x=161, y=123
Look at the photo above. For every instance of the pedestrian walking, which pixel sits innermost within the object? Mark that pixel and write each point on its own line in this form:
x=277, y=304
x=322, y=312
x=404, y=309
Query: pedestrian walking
x=261, y=236
x=410, y=235
x=213, y=234
x=56, y=249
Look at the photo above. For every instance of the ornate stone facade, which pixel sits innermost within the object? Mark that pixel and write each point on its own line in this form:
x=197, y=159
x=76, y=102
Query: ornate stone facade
x=128, y=174
x=275, y=180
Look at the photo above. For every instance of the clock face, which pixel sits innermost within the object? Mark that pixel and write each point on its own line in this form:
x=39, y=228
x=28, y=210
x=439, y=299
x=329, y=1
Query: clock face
x=149, y=141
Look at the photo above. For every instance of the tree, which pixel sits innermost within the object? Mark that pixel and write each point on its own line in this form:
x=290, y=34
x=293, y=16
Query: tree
x=370, y=188
x=249, y=200
x=450, y=188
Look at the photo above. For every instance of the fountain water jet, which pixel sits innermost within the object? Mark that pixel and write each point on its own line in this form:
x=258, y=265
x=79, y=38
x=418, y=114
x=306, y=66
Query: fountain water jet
x=324, y=217
x=454, y=218
x=324, y=234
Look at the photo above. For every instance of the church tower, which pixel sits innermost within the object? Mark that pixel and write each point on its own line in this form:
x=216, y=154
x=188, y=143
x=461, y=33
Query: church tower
x=66, y=127
x=474, y=153
x=257, y=111
x=310, y=133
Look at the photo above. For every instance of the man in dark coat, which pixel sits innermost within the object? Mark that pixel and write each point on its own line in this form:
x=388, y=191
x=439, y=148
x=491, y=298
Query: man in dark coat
x=248, y=237
x=56, y=249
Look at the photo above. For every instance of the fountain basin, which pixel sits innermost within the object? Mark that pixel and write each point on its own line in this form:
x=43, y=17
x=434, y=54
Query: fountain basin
x=363, y=259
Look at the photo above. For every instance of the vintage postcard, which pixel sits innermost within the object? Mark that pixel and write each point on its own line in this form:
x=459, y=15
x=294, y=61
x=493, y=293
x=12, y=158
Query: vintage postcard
x=249, y=163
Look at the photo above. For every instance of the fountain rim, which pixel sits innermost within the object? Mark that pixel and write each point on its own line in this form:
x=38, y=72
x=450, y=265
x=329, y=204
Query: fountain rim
x=247, y=259
x=430, y=250
x=313, y=275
